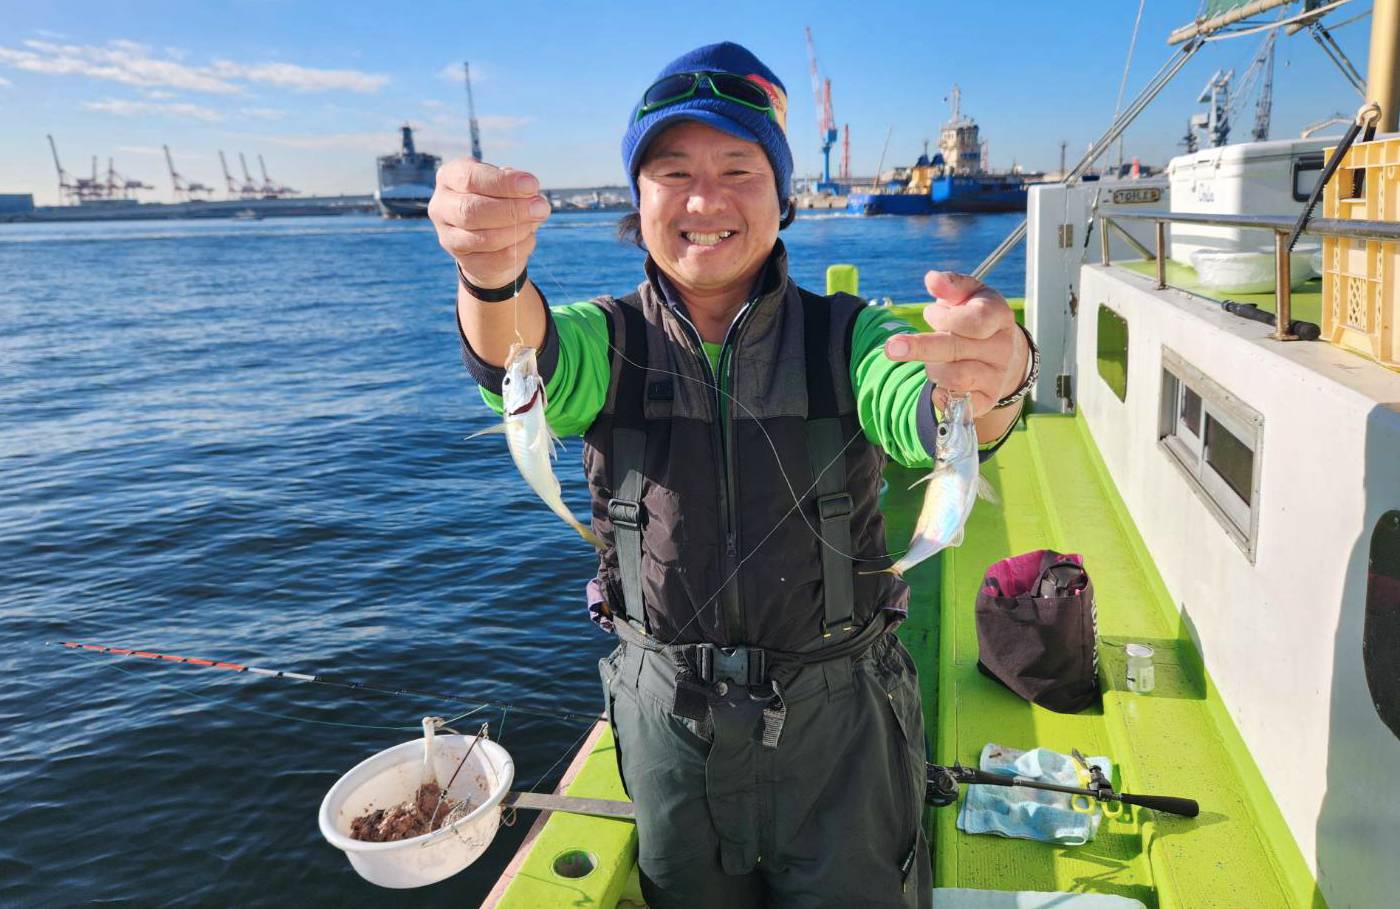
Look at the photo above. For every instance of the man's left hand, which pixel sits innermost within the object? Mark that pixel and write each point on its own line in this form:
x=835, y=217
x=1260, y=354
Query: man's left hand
x=975, y=345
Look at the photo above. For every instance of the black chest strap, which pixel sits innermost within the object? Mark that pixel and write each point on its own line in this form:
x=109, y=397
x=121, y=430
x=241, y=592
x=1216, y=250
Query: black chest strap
x=826, y=452
x=629, y=448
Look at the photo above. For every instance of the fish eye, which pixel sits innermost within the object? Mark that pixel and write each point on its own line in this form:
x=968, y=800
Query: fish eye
x=507, y=381
x=942, y=431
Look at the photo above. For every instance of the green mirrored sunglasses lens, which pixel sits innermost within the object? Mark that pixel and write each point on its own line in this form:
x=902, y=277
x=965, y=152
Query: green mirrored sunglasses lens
x=669, y=89
x=737, y=88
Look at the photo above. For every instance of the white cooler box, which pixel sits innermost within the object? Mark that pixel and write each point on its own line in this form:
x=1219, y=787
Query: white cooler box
x=1256, y=178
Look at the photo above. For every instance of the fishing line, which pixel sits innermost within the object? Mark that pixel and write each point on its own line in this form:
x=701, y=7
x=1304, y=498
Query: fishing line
x=515, y=253
x=91, y=652
x=476, y=705
x=777, y=456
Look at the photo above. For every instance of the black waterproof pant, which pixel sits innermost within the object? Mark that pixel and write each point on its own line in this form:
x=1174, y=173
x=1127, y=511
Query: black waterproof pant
x=831, y=817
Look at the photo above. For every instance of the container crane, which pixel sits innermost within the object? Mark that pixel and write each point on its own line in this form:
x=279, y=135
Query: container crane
x=471, y=113
x=229, y=186
x=826, y=121
x=65, y=182
x=250, y=189
x=119, y=187
x=188, y=190
x=273, y=189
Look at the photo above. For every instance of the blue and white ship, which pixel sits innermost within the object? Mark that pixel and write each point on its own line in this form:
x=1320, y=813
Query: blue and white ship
x=953, y=180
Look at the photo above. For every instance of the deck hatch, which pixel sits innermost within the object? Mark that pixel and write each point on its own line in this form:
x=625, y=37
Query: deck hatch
x=1214, y=439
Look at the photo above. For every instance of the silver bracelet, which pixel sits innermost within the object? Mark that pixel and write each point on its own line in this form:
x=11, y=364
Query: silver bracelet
x=1031, y=374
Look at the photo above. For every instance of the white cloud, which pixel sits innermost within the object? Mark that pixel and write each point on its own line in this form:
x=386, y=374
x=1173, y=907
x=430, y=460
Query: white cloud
x=157, y=94
x=132, y=63
x=177, y=109
x=452, y=72
x=140, y=150
x=433, y=104
x=4, y=82
x=301, y=78
x=116, y=62
x=261, y=113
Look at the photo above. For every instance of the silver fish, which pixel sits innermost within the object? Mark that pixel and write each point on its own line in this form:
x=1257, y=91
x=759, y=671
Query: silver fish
x=528, y=435
x=953, y=486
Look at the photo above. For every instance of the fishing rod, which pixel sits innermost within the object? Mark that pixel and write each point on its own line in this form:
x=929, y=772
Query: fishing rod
x=323, y=680
x=943, y=782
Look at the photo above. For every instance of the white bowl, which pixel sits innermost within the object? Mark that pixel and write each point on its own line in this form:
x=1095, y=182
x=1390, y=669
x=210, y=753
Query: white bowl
x=393, y=776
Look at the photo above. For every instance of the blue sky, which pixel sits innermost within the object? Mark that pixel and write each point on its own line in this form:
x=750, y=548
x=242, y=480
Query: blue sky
x=319, y=88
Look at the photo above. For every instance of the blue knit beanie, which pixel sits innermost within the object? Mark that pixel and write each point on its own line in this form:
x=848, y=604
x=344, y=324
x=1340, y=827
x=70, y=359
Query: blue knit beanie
x=736, y=119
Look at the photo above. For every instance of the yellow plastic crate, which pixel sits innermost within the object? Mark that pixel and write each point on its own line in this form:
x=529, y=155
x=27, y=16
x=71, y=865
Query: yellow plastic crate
x=1361, y=278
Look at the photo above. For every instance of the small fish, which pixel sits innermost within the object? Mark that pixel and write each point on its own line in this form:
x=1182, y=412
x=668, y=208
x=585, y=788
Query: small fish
x=953, y=486
x=528, y=435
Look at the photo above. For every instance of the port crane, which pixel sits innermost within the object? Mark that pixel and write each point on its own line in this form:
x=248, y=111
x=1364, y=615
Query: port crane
x=471, y=113
x=229, y=186
x=83, y=190
x=826, y=121
x=184, y=191
x=271, y=189
x=119, y=187
x=250, y=190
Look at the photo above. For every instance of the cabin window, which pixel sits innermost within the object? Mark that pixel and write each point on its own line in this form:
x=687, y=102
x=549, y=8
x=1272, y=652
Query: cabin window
x=1380, y=640
x=1113, y=351
x=1213, y=438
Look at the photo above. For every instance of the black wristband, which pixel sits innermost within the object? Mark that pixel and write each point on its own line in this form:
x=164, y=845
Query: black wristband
x=497, y=294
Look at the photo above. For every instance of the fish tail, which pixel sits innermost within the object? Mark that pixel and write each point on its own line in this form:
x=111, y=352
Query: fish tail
x=490, y=430
x=587, y=534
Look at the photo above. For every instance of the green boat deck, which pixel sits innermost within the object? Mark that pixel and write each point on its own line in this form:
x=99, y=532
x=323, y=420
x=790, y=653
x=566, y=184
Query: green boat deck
x=1178, y=741
x=1305, y=303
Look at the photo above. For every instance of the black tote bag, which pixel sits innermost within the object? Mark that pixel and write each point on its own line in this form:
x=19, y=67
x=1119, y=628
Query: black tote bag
x=1037, y=630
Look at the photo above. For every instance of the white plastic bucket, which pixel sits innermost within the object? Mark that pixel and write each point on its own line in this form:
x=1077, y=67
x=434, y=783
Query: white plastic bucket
x=393, y=776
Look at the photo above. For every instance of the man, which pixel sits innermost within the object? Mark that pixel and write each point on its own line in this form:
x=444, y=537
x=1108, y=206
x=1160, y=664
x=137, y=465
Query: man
x=768, y=722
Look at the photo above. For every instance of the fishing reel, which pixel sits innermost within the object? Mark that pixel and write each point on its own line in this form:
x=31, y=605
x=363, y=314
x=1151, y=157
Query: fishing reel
x=941, y=787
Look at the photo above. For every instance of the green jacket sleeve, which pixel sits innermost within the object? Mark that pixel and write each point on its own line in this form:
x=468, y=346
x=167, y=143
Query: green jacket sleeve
x=894, y=400
x=573, y=362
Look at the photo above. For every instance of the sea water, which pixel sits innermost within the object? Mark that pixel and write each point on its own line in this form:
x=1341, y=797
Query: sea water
x=245, y=441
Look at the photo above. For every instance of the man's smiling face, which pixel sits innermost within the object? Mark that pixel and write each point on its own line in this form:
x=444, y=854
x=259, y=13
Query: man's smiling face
x=709, y=208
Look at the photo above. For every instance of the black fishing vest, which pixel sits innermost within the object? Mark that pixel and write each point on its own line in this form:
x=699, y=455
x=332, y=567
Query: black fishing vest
x=702, y=539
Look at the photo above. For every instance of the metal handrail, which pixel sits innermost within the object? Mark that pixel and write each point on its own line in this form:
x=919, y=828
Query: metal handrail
x=1330, y=227
x=1281, y=225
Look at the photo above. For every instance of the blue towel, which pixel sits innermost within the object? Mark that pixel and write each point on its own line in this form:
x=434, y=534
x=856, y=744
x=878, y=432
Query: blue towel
x=1030, y=814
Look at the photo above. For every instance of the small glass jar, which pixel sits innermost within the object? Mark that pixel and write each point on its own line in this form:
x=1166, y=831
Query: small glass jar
x=1142, y=677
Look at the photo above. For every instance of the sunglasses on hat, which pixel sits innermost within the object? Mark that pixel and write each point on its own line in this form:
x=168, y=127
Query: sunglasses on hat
x=678, y=87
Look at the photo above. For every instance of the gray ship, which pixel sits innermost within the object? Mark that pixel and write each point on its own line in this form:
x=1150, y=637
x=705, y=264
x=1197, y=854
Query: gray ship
x=406, y=180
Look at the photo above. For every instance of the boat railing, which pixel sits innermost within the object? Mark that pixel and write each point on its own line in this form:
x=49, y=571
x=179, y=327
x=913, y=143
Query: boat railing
x=1281, y=225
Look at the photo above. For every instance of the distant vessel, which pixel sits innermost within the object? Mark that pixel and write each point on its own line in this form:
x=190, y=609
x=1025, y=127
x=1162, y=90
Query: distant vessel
x=406, y=180
x=953, y=180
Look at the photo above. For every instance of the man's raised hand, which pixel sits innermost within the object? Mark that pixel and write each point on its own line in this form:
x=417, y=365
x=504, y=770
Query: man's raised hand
x=486, y=218
x=975, y=345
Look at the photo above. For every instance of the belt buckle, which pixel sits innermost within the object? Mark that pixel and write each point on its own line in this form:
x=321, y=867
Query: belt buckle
x=740, y=665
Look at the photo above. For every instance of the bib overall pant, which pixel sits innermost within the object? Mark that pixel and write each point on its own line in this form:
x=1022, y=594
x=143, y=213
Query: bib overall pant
x=830, y=817
x=768, y=723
